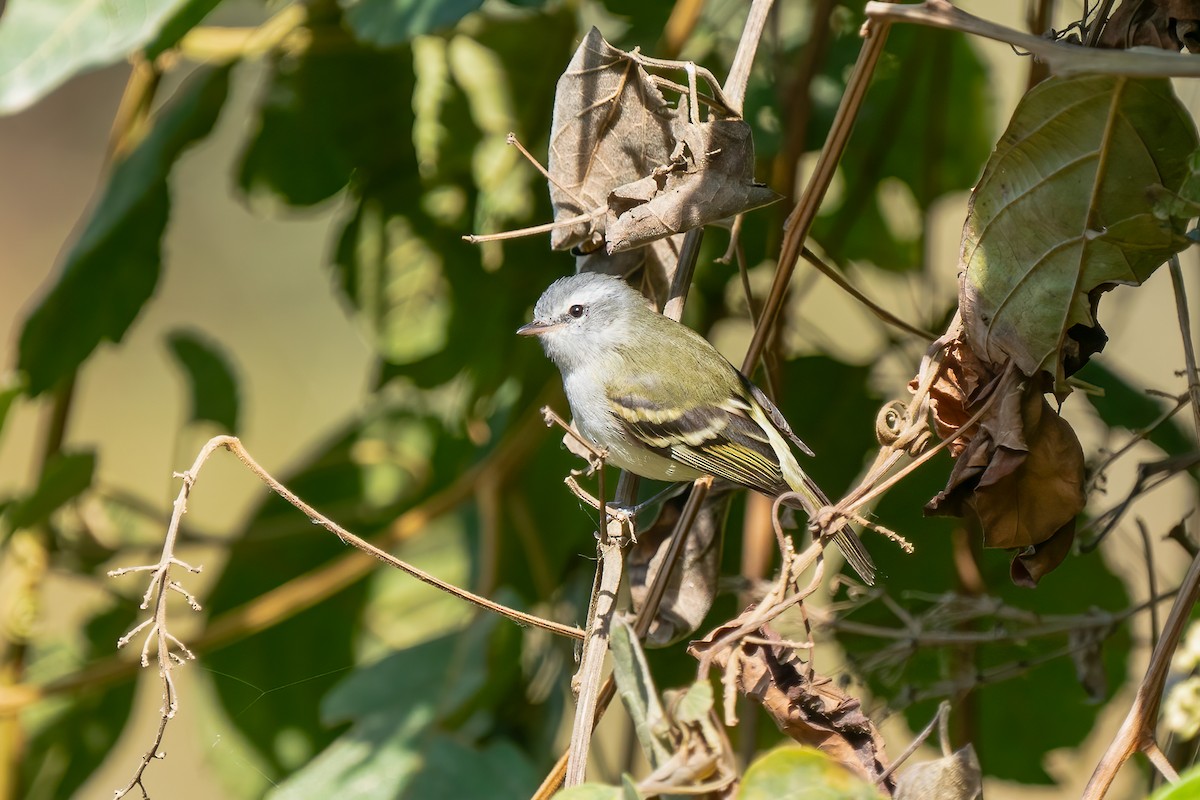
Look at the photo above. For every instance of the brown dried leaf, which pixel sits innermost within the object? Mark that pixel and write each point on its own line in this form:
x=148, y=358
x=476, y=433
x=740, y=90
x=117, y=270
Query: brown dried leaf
x=693, y=582
x=710, y=177
x=1087, y=653
x=1019, y=471
x=1152, y=23
x=1036, y=561
x=611, y=126
x=807, y=707
x=638, y=167
x=649, y=269
x=954, y=777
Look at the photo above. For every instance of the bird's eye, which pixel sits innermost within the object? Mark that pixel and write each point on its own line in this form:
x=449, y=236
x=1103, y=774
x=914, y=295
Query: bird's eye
x=575, y=311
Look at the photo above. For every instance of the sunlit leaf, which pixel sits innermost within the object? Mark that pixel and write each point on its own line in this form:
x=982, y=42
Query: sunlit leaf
x=389, y=22
x=801, y=773
x=45, y=42
x=1186, y=788
x=112, y=270
x=1091, y=148
x=11, y=387
x=213, y=384
x=187, y=15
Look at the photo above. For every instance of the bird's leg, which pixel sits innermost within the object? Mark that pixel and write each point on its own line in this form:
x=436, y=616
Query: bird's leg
x=672, y=490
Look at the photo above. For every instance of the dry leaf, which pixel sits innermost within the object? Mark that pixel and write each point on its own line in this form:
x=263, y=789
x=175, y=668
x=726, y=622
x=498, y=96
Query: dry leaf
x=693, y=583
x=710, y=177
x=1152, y=23
x=807, y=707
x=611, y=126
x=639, y=168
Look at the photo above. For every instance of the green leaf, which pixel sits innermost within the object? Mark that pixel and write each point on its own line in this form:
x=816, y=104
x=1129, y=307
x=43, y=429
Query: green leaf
x=328, y=114
x=399, y=705
x=1187, y=788
x=636, y=687
x=113, y=269
x=66, y=476
x=1124, y=406
x=45, y=42
x=11, y=387
x=188, y=15
x=923, y=132
x=801, y=773
x=1064, y=207
x=214, y=387
x=389, y=22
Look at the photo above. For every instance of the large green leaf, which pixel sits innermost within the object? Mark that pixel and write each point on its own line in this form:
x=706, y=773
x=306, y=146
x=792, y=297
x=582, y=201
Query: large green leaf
x=801, y=773
x=211, y=380
x=45, y=42
x=404, y=708
x=923, y=131
x=389, y=22
x=112, y=270
x=1065, y=206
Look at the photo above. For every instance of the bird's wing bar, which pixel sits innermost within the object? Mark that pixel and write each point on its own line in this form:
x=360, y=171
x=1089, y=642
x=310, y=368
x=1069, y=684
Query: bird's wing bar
x=721, y=440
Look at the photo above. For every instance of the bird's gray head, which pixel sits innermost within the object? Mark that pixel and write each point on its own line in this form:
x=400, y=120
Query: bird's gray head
x=584, y=316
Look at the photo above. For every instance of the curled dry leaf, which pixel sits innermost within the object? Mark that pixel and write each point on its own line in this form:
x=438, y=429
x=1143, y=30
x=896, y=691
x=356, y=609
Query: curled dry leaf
x=807, y=707
x=1064, y=207
x=692, y=586
x=1165, y=24
x=1019, y=470
x=637, y=167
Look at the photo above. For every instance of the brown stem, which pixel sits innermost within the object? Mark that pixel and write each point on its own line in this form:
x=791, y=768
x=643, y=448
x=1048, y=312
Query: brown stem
x=1137, y=731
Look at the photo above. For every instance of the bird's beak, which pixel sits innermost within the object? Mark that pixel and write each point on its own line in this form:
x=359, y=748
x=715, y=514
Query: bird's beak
x=538, y=327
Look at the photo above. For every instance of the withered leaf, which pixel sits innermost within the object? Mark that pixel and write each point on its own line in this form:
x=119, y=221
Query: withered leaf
x=693, y=582
x=638, y=167
x=1152, y=23
x=1020, y=471
x=1087, y=147
x=807, y=707
x=710, y=177
x=611, y=126
x=953, y=777
x=1087, y=653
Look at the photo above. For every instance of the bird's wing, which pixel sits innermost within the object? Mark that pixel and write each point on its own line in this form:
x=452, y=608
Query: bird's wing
x=721, y=439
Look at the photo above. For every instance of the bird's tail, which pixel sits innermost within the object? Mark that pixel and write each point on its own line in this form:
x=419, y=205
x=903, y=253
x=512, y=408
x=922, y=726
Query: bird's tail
x=845, y=538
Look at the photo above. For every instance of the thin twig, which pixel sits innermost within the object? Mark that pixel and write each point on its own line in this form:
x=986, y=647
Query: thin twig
x=1137, y=731
x=1063, y=58
x=1189, y=348
x=1151, y=579
x=879, y=311
x=943, y=713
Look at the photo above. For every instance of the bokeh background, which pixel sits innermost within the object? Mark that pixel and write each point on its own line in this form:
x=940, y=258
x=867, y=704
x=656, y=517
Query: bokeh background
x=256, y=281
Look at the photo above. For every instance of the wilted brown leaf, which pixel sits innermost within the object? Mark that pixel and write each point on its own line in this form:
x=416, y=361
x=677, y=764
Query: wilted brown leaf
x=639, y=168
x=692, y=586
x=807, y=707
x=1152, y=23
x=710, y=177
x=1019, y=471
x=611, y=126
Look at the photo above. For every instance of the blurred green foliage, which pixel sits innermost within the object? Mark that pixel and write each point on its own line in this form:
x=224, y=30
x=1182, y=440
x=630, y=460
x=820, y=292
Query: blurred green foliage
x=396, y=111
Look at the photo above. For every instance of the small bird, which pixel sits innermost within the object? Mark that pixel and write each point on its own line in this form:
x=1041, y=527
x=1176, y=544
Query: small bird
x=663, y=402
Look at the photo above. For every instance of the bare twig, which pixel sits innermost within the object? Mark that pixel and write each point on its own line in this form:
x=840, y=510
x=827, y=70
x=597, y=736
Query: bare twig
x=879, y=311
x=939, y=721
x=1063, y=58
x=1189, y=348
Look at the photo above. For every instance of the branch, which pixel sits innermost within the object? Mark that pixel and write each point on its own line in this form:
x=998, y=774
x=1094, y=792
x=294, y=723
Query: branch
x=1137, y=731
x=1062, y=58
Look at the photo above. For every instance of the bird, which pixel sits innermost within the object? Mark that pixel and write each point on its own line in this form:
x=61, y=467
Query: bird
x=663, y=403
